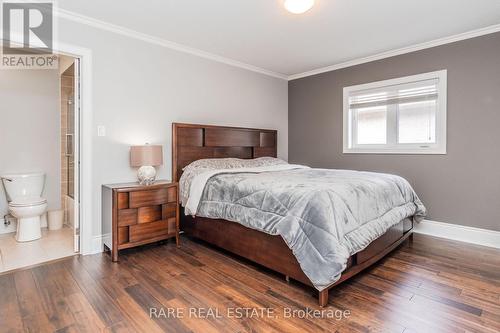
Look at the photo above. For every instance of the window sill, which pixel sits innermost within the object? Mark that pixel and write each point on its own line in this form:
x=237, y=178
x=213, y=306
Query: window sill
x=394, y=152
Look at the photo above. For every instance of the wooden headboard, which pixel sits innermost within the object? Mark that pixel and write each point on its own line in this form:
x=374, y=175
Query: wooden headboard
x=193, y=142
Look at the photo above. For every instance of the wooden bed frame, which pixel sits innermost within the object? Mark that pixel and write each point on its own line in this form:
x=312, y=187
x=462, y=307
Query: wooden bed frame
x=193, y=142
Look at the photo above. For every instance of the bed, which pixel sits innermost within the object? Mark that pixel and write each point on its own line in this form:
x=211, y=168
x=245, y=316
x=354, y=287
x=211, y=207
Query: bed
x=263, y=245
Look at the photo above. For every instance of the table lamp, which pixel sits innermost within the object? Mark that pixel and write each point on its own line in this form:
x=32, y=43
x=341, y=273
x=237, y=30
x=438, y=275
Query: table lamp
x=146, y=157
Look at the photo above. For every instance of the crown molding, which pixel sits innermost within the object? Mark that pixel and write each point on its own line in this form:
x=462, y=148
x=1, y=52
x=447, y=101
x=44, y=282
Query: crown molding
x=75, y=17
x=437, y=42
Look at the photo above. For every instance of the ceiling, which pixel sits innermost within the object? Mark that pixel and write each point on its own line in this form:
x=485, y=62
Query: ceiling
x=262, y=33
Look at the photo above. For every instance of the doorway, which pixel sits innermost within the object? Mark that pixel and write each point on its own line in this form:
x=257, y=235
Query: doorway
x=49, y=109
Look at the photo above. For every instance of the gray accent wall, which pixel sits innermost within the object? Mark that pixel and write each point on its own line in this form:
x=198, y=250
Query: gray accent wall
x=461, y=187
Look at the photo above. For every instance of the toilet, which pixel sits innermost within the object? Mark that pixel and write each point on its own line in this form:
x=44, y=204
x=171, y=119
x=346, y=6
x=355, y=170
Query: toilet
x=24, y=194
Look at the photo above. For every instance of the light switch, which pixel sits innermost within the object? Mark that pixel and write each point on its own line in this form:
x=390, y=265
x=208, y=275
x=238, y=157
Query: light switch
x=101, y=130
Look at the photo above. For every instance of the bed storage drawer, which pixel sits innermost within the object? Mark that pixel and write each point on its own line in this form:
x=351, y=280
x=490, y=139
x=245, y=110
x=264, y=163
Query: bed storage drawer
x=390, y=237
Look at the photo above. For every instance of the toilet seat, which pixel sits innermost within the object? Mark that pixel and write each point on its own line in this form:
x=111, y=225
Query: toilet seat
x=27, y=202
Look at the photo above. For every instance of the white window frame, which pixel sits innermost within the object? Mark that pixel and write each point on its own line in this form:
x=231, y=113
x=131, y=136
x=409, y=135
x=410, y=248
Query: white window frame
x=439, y=147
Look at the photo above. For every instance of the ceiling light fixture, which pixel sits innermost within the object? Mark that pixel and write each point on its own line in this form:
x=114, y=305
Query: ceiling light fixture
x=298, y=6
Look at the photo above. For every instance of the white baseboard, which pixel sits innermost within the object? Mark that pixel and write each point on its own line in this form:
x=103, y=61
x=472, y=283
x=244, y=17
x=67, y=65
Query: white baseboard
x=106, y=239
x=98, y=243
x=97, y=246
x=460, y=233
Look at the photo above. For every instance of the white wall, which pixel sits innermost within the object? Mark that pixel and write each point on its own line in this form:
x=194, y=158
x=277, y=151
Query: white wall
x=139, y=89
x=30, y=129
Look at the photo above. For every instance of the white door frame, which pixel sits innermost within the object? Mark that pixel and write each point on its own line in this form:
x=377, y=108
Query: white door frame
x=83, y=166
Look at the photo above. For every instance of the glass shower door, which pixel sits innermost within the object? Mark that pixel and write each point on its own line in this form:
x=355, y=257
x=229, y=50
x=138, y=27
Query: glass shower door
x=71, y=152
x=70, y=148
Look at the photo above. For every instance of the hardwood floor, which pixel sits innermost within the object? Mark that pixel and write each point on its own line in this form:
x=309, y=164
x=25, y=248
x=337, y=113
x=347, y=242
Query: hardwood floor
x=431, y=285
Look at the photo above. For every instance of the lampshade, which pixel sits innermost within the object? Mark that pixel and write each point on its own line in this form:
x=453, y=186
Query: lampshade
x=146, y=155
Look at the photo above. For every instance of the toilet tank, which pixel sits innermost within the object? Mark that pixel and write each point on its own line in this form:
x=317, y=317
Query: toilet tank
x=23, y=185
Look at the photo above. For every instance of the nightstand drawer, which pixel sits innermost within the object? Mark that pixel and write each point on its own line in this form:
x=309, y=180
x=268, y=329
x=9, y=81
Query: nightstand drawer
x=136, y=214
x=127, y=217
x=145, y=231
x=123, y=235
x=122, y=200
x=168, y=210
x=172, y=225
x=148, y=198
x=149, y=214
x=172, y=194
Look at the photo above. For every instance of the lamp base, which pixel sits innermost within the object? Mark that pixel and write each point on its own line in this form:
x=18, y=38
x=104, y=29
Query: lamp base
x=146, y=175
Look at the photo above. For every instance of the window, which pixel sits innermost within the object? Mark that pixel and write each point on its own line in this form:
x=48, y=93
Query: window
x=399, y=116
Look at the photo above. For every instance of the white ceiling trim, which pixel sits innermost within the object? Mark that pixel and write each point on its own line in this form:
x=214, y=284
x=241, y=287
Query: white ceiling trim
x=437, y=42
x=75, y=17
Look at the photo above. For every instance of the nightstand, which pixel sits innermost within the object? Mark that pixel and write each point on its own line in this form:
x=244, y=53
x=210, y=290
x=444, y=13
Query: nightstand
x=134, y=214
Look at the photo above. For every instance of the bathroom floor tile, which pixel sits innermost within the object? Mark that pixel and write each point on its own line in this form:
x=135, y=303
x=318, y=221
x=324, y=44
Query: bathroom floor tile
x=7, y=240
x=58, y=249
x=57, y=234
x=53, y=245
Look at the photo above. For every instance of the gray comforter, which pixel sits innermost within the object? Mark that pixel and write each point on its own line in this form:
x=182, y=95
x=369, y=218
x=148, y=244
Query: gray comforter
x=323, y=215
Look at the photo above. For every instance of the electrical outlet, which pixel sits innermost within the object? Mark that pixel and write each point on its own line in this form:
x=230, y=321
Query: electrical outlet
x=101, y=130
